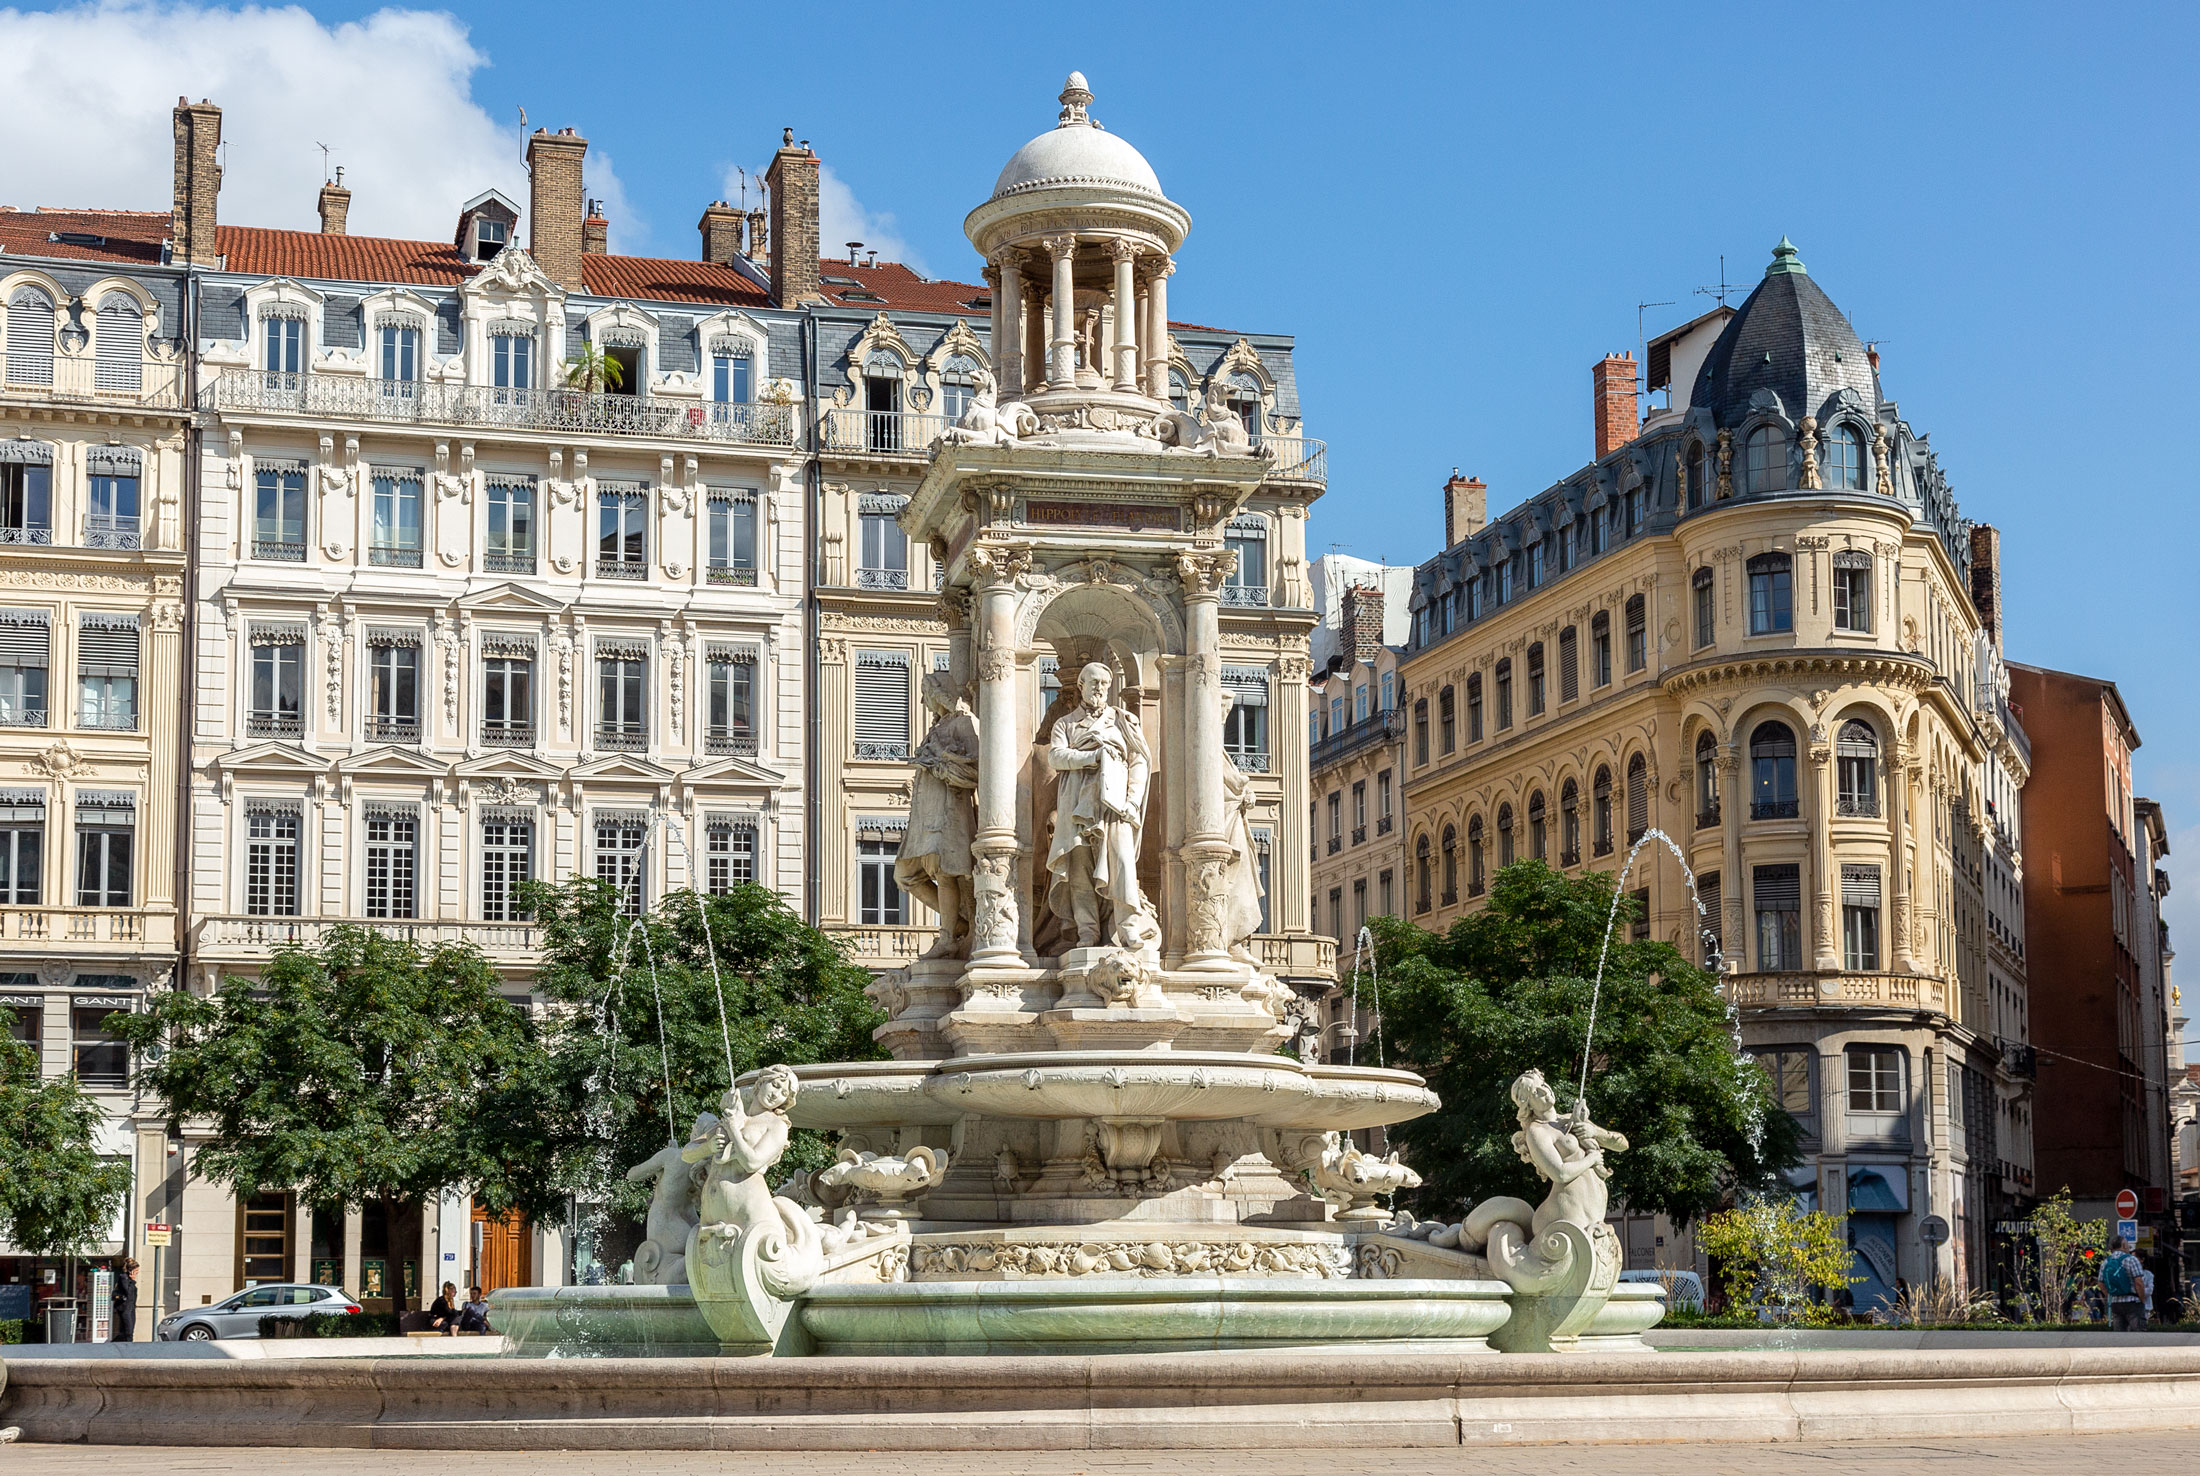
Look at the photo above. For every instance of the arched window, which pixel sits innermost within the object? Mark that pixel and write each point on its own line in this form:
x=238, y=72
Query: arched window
x=1474, y=857
x=1569, y=824
x=1768, y=459
x=30, y=337
x=1856, y=758
x=1772, y=773
x=1451, y=866
x=1421, y=874
x=1771, y=594
x=958, y=382
x=118, y=352
x=1505, y=835
x=1242, y=392
x=1600, y=812
x=1707, y=780
x=1699, y=476
x=1539, y=839
x=1845, y=458
x=1638, y=799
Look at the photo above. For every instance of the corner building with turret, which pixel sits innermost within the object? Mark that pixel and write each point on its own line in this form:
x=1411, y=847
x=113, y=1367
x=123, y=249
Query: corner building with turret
x=1758, y=624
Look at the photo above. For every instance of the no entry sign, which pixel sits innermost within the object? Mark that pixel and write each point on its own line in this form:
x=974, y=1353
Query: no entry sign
x=2127, y=1205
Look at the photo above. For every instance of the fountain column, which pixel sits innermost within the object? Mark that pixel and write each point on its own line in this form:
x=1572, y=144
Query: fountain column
x=1008, y=323
x=1207, y=851
x=1827, y=957
x=1063, y=372
x=1157, y=333
x=1125, y=254
x=996, y=917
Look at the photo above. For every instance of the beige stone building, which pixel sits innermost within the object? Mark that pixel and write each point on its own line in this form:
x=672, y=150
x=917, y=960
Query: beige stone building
x=1749, y=624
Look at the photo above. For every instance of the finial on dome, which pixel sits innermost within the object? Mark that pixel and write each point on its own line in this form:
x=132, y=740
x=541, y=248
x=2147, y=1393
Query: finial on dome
x=1785, y=259
x=1076, y=97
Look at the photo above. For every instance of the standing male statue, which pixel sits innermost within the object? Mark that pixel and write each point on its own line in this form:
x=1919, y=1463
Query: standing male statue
x=934, y=865
x=1101, y=755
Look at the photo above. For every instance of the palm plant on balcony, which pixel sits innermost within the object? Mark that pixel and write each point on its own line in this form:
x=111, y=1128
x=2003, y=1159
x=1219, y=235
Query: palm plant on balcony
x=591, y=370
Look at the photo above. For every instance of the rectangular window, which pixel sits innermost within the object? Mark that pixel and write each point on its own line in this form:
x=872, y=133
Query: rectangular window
x=1504, y=580
x=393, y=680
x=1336, y=821
x=884, y=552
x=396, y=530
x=1600, y=650
x=1359, y=808
x=729, y=855
x=621, y=717
x=1504, y=695
x=1875, y=1078
x=1569, y=657
x=1778, y=895
x=1359, y=703
x=1385, y=903
x=283, y=342
x=730, y=379
x=1385, y=818
x=1790, y=1074
x=507, y=860
x=26, y=641
x=1420, y=731
x=392, y=865
x=732, y=706
x=279, y=514
x=622, y=861
x=22, y=849
x=511, y=526
x=1535, y=565
x=1245, y=725
x=1248, y=582
x=1771, y=594
x=1860, y=918
x=103, y=850
x=1390, y=690
x=882, y=705
x=508, y=701
x=1474, y=712
x=1638, y=634
x=107, y=672
x=879, y=897
x=622, y=534
x=1711, y=923
x=732, y=534
x=278, y=689
x=99, y=1059
x=112, y=519
x=1359, y=906
x=1852, y=592
x=1705, y=609
x=400, y=357
x=513, y=361
x=1638, y=931
x=271, y=863
x=1535, y=680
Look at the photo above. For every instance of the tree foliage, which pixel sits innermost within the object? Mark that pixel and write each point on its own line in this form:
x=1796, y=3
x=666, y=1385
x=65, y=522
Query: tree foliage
x=1509, y=987
x=2064, y=1254
x=638, y=1014
x=362, y=1069
x=57, y=1195
x=1774, y=1254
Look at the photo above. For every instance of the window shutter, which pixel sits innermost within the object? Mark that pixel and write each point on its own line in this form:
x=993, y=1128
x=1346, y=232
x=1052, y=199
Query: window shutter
x=24, y=637
x=1778, y=888
x=882, y=704
x=1713, y=920
x=107, y=646
x=1859, y=886
x=119, y=349
x=1638, y=798
x=30, y=337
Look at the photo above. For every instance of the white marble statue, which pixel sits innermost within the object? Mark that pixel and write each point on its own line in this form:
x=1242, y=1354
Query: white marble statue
x=986, y=422
x=1349, y=1177
x=675, y=1207
x=886, y=1179
x=747, y=1141
x=1100, y=753
x=1567, y=1151
x=1241, y=914
x=934, y=864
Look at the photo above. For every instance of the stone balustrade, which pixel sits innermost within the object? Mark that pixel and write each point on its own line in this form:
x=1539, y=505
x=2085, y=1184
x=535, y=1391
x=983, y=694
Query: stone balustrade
x=1793, y=990
x=92, y=928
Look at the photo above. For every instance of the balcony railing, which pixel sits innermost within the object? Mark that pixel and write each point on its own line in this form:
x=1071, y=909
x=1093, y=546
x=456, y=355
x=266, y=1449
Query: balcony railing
x=72, y=382
x=108, y=532
x=1774, y=809
x=509, y=562
x=1336, y=844
x=22, y=717
x=621, y=569
x=1384, y=824
x=1857, y=807
x=1299, y=459
x=741, y=744
x=236, y=932
x=108, y=722
x=560, y=412
x=882, y=579
x=1376, y=727
x=1569, y=858
x=745, y=577
x=1707, y=819
x=896, y=945
x=508, y=735
x=281, y=550
x=1898, y=991
x=73, y=925
x=394, y=555
x=11, y=533
x=1248, y=760
x=1359, y=835
x=274, y=725
x=626, y=737
x=1246, y=595
x=851, y=432
x=393, y=729
x=1296, y=954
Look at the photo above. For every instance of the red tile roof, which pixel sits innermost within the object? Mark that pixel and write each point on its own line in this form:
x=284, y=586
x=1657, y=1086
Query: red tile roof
x=131, y=236
x=670, y=281
x=895, y=286
x=257, y=251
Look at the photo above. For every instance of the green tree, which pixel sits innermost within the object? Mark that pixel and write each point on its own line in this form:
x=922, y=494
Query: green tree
x=360, y=1070
x=592, y=370
x=1509, y=987
x=1775, y=1254
x=57, y=1195
x=638, y=1014
x=2068, y=1251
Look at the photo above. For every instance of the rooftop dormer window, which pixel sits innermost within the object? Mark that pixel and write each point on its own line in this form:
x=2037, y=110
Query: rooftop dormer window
x=490, y=237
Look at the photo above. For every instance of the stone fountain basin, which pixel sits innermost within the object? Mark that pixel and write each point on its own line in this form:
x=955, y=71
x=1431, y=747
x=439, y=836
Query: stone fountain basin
x=866, y=1094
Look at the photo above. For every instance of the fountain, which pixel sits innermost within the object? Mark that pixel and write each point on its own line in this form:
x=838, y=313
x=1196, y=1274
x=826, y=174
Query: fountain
x=1090, y=1138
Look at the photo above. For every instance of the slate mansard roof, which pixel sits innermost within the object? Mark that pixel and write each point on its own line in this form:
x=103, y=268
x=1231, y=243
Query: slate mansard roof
x=1789, y=339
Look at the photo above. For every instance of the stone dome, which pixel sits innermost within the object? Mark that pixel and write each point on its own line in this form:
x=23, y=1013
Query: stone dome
x=1788, y=338
x=1077, y=151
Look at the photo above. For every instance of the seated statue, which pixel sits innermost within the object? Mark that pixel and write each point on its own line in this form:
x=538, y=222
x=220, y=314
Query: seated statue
x=985, y=423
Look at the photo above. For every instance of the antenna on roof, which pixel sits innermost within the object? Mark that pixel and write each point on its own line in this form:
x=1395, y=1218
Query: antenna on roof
x=1724, y=286
x=744, y=185
x=324, y=161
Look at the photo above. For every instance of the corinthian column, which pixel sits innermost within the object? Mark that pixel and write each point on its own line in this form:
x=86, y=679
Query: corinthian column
x=1733, y=933
x=1206, y=849
x=1157, y=332
x=993, y=883
x=1124, y=254
x=1828, y=955
x=1064, y=370
x=1902, y=771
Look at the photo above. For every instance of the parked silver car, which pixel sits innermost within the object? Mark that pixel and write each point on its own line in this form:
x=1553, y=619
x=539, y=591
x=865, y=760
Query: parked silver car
x=239, y=1316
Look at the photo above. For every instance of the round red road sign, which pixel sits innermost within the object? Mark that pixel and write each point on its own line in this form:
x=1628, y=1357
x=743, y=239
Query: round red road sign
x=2127, y=1205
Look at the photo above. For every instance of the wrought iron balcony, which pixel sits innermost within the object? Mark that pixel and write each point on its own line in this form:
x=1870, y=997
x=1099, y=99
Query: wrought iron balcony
x=274, y=725
x=1336, y=844
x=394, y=555
x=621, y=569
x=1248, y=760
x=897, y=752
x=110, y=721
x=1298, y=459
x=1707, y=819
x=109, y=532
x=626, y=737
x=1857, y=807
x=743, y=577
x=882, y=579
x=1569, y=858
x=560, y=412
x=1775, y=809
x=22, y=717
x=1359, y=835
x=1247, y=595
x=740, y=742
x=509, y=562
x=393, y=729
x=281, y=550
x=10, y=533
x=508, y=735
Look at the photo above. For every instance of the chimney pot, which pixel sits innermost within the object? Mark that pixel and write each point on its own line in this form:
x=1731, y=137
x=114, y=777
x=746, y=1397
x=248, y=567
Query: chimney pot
x=791, y=183
x=721, y=231
x=198, y=183
x=334, y=206
x=554, y=163
x=1466, y=508
x=1617, y=412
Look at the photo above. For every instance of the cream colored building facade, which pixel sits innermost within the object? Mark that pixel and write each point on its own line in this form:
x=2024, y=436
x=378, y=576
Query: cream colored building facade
x=1749, y=625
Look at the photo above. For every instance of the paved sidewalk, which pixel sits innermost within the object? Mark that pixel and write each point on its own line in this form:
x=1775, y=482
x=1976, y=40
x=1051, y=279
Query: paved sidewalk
x=2050, y=1456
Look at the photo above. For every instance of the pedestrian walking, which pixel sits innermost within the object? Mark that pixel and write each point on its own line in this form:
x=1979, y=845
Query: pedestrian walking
x=124, y=1328
x=2123, y=1283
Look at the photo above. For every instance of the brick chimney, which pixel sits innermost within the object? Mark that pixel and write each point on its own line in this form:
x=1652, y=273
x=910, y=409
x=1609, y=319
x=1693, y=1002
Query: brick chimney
x=759, y=237
x=554, y=204
x=792, y=180
x=721, y=228
x=595, y=231
x=335, y=205
x=1466, y=508
x=1986, y=578
x=1617, y=418
x=198, y=182
x=1363, y=620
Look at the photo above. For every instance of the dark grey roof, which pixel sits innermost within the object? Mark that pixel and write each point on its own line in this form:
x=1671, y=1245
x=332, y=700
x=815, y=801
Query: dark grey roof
x=1790, y=339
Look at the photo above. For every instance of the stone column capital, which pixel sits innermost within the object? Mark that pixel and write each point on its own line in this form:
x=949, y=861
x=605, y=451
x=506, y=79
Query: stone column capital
x=1060, y=247
x=999, y=565
x=1204, y=574
x=1122, y=249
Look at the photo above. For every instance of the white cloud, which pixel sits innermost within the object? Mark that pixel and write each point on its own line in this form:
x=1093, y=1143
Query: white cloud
x=841, y=218
x=85, y=94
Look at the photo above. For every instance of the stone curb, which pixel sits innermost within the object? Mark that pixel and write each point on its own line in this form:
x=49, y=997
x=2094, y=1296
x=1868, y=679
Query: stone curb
x=1158, y=1401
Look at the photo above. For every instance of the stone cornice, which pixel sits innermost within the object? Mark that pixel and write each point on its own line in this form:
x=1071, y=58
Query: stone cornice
x=1888, y=668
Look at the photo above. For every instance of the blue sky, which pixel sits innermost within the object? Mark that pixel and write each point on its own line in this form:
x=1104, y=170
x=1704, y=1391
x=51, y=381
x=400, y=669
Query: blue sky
x=1457, y=210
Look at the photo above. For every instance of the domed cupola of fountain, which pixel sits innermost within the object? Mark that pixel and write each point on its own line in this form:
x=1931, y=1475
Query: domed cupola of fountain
x=1789, y=353
x=1077, y=239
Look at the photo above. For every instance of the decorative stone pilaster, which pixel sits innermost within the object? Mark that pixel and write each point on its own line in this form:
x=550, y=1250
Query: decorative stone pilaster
x=1207, y=852
x=1827, y=955
x=996, y=913
x=1008, y=323
x=1733, y=941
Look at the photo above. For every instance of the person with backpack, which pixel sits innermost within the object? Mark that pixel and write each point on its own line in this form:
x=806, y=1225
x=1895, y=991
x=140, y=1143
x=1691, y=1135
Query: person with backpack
x=2121, y=1283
